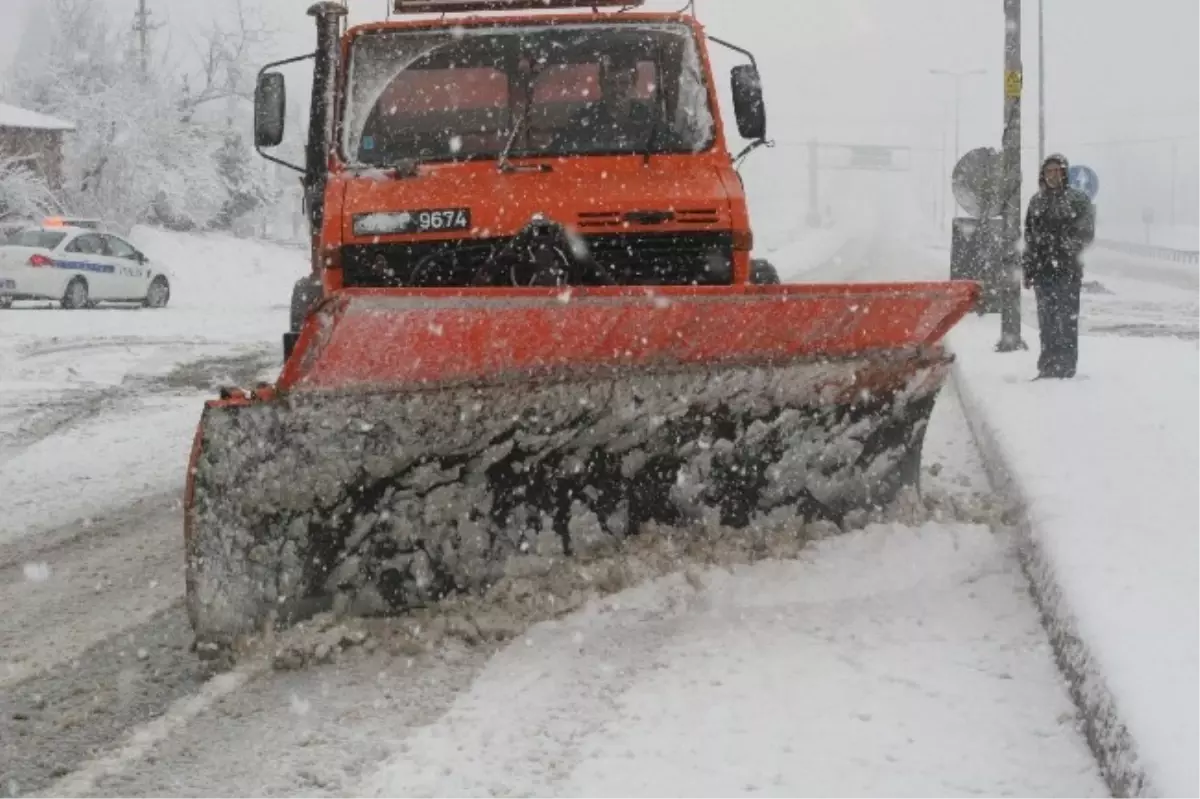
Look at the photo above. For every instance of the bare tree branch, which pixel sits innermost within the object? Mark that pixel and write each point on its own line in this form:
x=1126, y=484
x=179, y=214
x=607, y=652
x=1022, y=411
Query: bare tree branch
x=225, y=54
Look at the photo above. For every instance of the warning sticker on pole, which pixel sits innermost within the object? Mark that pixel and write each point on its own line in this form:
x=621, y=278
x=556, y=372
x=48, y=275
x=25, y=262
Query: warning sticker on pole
x=1012, y=84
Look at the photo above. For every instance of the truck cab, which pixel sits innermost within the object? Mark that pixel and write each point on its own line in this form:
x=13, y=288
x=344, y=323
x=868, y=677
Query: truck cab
x=477, y=149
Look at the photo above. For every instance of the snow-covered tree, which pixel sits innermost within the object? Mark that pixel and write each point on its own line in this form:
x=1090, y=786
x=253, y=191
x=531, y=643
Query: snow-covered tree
x=142, y=152
x=23, y=193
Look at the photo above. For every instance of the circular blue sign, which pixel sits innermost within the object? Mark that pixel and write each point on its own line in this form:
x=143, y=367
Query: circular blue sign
x=1085, y=179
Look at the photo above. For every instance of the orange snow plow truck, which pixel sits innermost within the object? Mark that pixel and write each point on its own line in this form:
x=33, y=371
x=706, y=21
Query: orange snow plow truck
x=533, y=322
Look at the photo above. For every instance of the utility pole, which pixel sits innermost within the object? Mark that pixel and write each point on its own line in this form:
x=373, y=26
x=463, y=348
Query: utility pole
x=1041, y=82
x=1010, y=184
x=142, y=26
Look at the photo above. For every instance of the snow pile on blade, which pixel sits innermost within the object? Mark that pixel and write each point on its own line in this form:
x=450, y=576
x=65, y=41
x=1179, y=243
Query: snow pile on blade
x=422, y=445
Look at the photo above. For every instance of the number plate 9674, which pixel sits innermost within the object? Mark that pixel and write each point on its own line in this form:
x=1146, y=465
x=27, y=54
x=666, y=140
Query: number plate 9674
x=426, y=220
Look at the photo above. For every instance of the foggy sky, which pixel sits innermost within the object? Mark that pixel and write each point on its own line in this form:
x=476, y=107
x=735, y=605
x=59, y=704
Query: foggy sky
x=1118, y=71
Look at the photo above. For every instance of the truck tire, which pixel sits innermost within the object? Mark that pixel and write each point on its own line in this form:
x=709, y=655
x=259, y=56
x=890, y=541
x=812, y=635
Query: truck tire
x=305, y=293
x=763, y=273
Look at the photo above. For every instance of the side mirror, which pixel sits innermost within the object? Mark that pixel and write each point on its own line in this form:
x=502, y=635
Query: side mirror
x=270, y=109
x=748, y=104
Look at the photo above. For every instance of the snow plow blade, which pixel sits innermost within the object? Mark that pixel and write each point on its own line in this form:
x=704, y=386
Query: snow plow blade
x=418, y=441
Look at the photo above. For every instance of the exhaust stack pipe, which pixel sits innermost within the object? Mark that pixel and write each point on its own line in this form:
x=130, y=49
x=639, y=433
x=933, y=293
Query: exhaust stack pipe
x=329, y=17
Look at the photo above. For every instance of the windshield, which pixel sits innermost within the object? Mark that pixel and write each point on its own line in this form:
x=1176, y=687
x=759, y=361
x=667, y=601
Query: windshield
x=440, y=95
x=43, y=239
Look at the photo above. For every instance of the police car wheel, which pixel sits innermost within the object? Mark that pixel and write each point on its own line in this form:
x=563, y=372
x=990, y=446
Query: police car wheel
x=158, y=293
x=76, y=295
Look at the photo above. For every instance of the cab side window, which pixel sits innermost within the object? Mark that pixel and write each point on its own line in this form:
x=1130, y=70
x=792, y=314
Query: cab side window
x=88, y=244
x=120, y=248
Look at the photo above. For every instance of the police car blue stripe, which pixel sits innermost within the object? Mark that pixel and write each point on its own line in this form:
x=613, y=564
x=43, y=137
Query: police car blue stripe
x=85, y=266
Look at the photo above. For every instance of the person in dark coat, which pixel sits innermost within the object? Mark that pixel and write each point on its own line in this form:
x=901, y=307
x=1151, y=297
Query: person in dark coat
x=1059, y=224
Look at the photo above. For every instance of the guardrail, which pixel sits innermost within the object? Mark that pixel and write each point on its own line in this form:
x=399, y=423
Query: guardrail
x=1149, y=251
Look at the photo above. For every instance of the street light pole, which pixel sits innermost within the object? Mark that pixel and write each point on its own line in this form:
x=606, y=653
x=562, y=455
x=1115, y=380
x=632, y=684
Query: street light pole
x=1041, y=82
x=957, y=76
x=1010, y=184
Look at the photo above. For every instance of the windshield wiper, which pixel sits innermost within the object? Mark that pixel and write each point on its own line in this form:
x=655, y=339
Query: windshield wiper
x=505, y=165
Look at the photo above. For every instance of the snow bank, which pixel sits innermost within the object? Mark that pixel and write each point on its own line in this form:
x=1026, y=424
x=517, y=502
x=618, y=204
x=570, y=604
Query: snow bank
x=1107, y=469
x=221, y=271
x=892, y=661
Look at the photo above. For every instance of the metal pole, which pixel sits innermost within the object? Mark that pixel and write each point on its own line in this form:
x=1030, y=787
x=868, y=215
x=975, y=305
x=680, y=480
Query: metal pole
x=957, y=116
x=945, y=182
x=1041, y=83
x=958, y=77
x=1174, y=180
x=1010, y=205
x=814, y=207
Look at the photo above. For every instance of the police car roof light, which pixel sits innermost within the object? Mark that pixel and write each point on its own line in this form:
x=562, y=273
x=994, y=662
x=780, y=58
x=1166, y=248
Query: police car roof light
x=461, y=6
x=58, y=221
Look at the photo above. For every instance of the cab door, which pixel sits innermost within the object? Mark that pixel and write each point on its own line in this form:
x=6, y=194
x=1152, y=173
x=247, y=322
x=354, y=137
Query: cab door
x=132, y=276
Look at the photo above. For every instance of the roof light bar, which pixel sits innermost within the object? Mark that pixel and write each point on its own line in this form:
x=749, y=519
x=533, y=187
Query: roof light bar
x=460, y=6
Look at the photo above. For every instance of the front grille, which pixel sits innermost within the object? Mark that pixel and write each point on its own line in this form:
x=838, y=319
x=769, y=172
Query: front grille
x=616, y=219
x=672, y=259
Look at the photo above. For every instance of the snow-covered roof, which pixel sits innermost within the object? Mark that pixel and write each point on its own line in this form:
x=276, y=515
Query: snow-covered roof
x=13, y=117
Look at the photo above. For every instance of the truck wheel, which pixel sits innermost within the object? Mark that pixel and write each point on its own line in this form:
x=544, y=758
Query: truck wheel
x=305, y=293
x=763, y=273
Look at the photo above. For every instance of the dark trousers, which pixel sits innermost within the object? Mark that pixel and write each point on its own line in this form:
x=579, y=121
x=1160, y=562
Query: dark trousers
x=1058, y=322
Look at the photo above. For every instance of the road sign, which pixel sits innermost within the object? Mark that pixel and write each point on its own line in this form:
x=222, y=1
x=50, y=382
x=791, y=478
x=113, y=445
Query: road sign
x=974, y=180
x=1013, y=82
x=871, y=157
x=1085, y=179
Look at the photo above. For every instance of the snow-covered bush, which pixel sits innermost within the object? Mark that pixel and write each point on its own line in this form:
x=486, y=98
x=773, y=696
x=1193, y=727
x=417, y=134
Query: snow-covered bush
x=22, y=193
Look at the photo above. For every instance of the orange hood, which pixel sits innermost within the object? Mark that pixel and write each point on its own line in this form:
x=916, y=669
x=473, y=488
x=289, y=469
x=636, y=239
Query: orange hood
x=584, y=194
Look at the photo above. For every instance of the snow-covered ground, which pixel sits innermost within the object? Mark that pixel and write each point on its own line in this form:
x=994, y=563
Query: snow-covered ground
x=99, y=407
x=1108, y=467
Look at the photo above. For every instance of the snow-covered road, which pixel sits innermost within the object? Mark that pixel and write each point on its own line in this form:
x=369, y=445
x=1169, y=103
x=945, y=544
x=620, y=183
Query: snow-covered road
x=901, y=659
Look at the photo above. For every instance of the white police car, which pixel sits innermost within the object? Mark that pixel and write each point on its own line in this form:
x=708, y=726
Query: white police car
x=75, y=263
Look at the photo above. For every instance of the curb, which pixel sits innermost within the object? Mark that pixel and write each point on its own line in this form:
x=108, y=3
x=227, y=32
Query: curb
x=1107, y=735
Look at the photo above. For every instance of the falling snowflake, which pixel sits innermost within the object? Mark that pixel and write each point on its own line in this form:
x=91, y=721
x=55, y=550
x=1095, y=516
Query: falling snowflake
x=37, y=572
